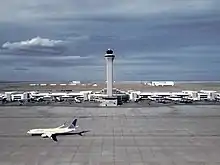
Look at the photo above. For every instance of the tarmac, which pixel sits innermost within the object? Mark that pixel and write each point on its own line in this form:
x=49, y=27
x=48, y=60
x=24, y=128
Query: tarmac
x=169, y=135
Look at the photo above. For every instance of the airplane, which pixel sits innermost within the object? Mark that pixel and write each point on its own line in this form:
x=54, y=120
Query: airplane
x=52, y=133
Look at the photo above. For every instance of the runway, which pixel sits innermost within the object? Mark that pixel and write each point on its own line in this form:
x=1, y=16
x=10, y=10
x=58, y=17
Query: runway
x=168, y=135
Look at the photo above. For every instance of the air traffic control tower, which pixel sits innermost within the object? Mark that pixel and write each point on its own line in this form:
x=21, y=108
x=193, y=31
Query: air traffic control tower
x=110, y=99
x=109, y=56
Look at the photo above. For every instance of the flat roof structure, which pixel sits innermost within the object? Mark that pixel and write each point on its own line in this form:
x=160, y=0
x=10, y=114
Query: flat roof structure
x=119, y=136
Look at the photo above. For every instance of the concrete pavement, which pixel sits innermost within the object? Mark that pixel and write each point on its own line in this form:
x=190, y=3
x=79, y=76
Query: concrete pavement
x=121, y=136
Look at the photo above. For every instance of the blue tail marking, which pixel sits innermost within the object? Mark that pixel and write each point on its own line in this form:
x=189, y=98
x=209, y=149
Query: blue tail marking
x=73, y=123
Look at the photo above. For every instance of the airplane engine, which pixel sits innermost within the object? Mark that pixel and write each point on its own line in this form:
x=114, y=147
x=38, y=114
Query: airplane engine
x=44, y=136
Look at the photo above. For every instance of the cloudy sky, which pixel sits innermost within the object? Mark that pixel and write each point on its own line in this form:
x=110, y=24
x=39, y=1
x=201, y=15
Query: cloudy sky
x=67, y=39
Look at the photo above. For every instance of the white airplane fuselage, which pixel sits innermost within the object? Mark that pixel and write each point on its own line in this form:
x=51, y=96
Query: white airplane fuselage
x=51, y=131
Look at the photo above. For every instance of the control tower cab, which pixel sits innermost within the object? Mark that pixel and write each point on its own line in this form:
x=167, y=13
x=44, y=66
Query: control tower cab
x=109, y=52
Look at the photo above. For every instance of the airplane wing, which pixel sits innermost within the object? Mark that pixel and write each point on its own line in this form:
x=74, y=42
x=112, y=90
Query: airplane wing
x=62, y=126
x=52, y=136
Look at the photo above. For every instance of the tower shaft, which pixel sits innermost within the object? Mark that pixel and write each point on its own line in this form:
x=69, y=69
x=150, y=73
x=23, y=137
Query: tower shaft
x=109, y=73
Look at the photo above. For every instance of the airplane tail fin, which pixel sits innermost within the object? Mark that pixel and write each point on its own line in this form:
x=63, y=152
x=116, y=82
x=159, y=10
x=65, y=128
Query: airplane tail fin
x=73, y=124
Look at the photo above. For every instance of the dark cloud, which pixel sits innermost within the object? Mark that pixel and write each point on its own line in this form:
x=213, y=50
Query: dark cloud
x=152, y=40
x=21, y=69
x=49, y=62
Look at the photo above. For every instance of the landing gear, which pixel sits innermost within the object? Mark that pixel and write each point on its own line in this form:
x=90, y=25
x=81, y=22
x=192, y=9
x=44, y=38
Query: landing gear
x=81, y=134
